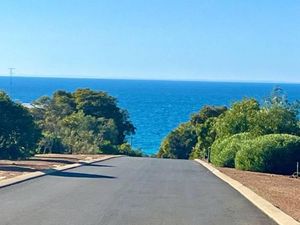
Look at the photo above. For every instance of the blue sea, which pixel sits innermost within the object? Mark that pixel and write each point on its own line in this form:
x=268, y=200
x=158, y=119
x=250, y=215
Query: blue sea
x=155, y=107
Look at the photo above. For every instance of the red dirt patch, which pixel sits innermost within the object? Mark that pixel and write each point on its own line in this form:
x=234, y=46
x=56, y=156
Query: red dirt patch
x=13, y=168
x=282, y=191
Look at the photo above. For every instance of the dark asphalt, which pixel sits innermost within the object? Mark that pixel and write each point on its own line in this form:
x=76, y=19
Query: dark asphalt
x=128, y=191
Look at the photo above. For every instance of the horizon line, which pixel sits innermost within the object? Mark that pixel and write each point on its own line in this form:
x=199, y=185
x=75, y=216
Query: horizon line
x=148, y=79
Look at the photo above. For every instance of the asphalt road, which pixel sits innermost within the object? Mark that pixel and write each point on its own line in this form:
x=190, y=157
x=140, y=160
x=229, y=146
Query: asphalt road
x=128, y=191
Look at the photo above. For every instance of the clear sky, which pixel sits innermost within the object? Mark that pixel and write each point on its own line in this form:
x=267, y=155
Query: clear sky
x=241, y=40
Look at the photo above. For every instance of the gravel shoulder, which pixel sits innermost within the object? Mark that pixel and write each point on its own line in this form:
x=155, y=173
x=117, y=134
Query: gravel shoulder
x=40, y=162
x=282, y=191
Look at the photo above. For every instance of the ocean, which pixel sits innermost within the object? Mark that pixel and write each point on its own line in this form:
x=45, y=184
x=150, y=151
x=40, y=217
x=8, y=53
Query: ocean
x=155, y=107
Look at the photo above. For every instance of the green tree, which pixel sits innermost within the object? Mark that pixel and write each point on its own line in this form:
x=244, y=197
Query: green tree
x=179, y=143
x=100, y=104
x=278, y=115
x=275, y=120
x=277, y=98
x=48, y=113
x=239, y=118
x=82, y=121
x=18, y=132
x=79, y=133
x=207, y=112
x=204, y=122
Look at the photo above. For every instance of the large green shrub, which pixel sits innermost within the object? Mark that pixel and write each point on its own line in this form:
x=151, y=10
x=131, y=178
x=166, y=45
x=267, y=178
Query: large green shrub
x=18, y=132
x=276, y=120
x=239, y=118
x=207, y=112
x=179, y=143
x=274, y=153
x=204, y=123
x=223, y=151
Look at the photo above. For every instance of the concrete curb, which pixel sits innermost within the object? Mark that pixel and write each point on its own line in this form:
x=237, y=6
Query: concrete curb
x=29, y=176
x=274, y=213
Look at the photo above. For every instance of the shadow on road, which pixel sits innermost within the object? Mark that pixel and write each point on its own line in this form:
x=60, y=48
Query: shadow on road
x=79, y=175
x=97, y=165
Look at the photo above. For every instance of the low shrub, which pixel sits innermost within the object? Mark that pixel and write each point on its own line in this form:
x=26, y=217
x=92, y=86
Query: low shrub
x=273, y=153
x=223, y=152
x=126, y=149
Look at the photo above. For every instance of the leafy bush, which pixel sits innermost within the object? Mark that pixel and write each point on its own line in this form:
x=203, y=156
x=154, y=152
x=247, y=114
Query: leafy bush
x=50, y=144
x=205, y=138
x=179, y=143
x=223, y=152
x=204, y=123
x=276, y=120
x=274, y=153
x=18, y=132
x=207, y=112
x=239, y=118
x=126, y=149
x=107, y=147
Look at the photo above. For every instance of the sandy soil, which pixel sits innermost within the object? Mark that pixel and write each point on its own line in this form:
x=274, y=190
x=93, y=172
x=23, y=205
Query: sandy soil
x=11, y=168
x=282, y=191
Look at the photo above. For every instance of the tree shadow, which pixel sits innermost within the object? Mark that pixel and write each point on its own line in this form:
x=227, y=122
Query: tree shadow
x=54, y=160
x=79, y=175
x=28, y=168
x=55, y=157
x=98, y=165
x=17, y=169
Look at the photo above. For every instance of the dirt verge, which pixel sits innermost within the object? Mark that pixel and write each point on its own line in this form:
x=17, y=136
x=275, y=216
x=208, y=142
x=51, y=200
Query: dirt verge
x=282, y=191
x=13, y=168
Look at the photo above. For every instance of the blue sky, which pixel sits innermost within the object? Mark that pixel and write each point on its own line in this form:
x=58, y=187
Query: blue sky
x=255, y=40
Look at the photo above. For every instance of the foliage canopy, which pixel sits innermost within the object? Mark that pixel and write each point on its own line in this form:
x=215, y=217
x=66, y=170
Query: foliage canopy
x=246, y=136
x=84, y=121
x=18, y=132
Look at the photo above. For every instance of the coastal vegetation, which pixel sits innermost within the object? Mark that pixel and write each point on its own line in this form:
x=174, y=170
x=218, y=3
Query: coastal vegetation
x=19, y=133
x=84, y=121
x=248, y=135
x=194, y=137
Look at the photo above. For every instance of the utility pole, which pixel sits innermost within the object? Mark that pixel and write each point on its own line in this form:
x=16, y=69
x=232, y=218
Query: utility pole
x=11, y=71
x=297, y=173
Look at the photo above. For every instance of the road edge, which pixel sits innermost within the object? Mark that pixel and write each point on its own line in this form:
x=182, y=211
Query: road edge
x=265, y=206
x=29, y=176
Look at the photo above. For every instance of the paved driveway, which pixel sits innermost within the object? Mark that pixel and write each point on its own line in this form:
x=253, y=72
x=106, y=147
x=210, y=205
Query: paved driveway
x=128, y=191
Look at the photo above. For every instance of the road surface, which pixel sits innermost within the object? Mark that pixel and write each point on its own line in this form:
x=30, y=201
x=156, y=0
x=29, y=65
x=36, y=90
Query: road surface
x=128, y=191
